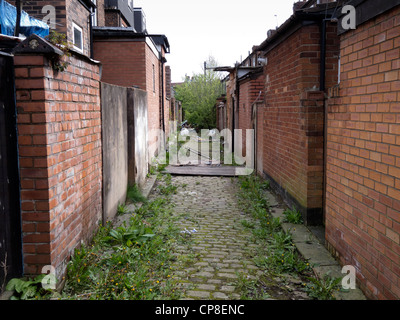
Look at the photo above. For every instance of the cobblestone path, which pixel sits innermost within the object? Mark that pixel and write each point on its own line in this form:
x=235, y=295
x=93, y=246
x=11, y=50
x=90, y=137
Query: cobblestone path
x=220, y=251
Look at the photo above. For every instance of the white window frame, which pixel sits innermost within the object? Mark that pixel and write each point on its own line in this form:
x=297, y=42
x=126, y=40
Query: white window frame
x=75, y=26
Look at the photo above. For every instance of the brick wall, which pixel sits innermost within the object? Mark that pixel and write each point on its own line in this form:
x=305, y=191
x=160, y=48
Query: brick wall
x=123, y=62
x=153, y=85
x=248, y=94
x=100, y=13
x=59, y=125
x=293, y=118
x=67, y=12
x=363, y=165
x=34, y=8
x=78, y=14
x=132, y=63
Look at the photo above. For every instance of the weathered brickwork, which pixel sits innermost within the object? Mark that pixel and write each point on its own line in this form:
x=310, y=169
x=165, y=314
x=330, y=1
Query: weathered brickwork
x=294, y=115
x=134, y=63
x=59, y=125
x=79, y=15
x=66, y=13
x=251, y=91
x=363, y=175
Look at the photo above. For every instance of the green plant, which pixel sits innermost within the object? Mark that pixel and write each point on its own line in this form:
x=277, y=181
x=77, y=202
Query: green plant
x=281, y=255
x=25, y=289
x=278, y=253
x=198, y=95
x=131, y=262
x=60, y=41
x=251, y=288
x=322, y=289
x=134, y=194
x=166, y=187
x=293, y=216
x=122, y=209
x=135, y=234
x=247, y=224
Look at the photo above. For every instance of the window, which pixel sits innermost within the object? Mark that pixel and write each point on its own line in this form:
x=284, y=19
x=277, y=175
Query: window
x=78, y=37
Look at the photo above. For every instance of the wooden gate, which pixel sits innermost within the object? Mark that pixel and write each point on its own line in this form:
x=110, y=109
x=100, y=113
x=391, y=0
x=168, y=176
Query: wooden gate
x=10, y=213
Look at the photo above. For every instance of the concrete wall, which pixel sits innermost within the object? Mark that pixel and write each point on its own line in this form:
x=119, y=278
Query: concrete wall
x=137, y=102
x=115, y=147
x=125, y=148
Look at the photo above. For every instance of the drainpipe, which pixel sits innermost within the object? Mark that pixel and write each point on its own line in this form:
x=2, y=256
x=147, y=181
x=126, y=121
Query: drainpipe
x=237, y=107
x=91, y=32
x=18, y=5
x=323, y=54
x=322, y=88
x=162, y=98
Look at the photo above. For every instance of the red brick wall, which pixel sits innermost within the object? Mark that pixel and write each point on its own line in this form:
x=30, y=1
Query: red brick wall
x=123, y=62
x=78, y=14
x=59, y=125
x=153, y=85
x=34, y=8
x=101, y=19
x=130, y=63
x=293, y=118
x=249, y=92
x=67, y=11
x=363, y=165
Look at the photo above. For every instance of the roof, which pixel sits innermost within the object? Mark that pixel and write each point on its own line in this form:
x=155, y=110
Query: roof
x=367, y=10
x=299, y=16
x=122, y=32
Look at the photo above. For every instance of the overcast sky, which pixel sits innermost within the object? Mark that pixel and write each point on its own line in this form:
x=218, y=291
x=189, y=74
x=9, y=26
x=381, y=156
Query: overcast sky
x=224, y=29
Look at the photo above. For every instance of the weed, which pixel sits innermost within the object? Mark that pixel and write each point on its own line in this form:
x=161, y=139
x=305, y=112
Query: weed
x=61, y=42
x=122, y=209
x=28, y=289
x=251, y=288
x=131, y=262
x=165, y=187
x=276, y=253
x=134, y=194
x=322, y=289
x=248, y=224
x=293, y=216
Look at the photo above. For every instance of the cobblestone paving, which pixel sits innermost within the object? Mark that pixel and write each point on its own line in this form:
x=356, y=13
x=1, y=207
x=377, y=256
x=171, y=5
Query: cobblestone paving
x=220, y=249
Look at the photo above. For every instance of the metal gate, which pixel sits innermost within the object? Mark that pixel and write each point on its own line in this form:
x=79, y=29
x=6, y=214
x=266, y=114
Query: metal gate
x=10, y=213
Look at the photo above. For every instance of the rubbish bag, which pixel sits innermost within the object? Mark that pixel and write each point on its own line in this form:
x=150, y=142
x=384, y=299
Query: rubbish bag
x=28, y=25
x=185, y=132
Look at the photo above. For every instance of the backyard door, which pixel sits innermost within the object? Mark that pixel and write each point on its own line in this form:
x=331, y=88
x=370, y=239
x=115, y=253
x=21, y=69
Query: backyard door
x=10, y=221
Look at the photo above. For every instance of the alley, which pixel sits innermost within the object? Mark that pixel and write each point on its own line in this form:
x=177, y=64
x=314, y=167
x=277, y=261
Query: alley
x=219, y=261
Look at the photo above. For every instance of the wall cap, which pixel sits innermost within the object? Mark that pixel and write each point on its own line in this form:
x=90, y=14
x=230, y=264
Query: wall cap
x=37, y=45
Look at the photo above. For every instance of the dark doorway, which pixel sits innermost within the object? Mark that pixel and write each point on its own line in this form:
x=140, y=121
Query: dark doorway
x=10, y=213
